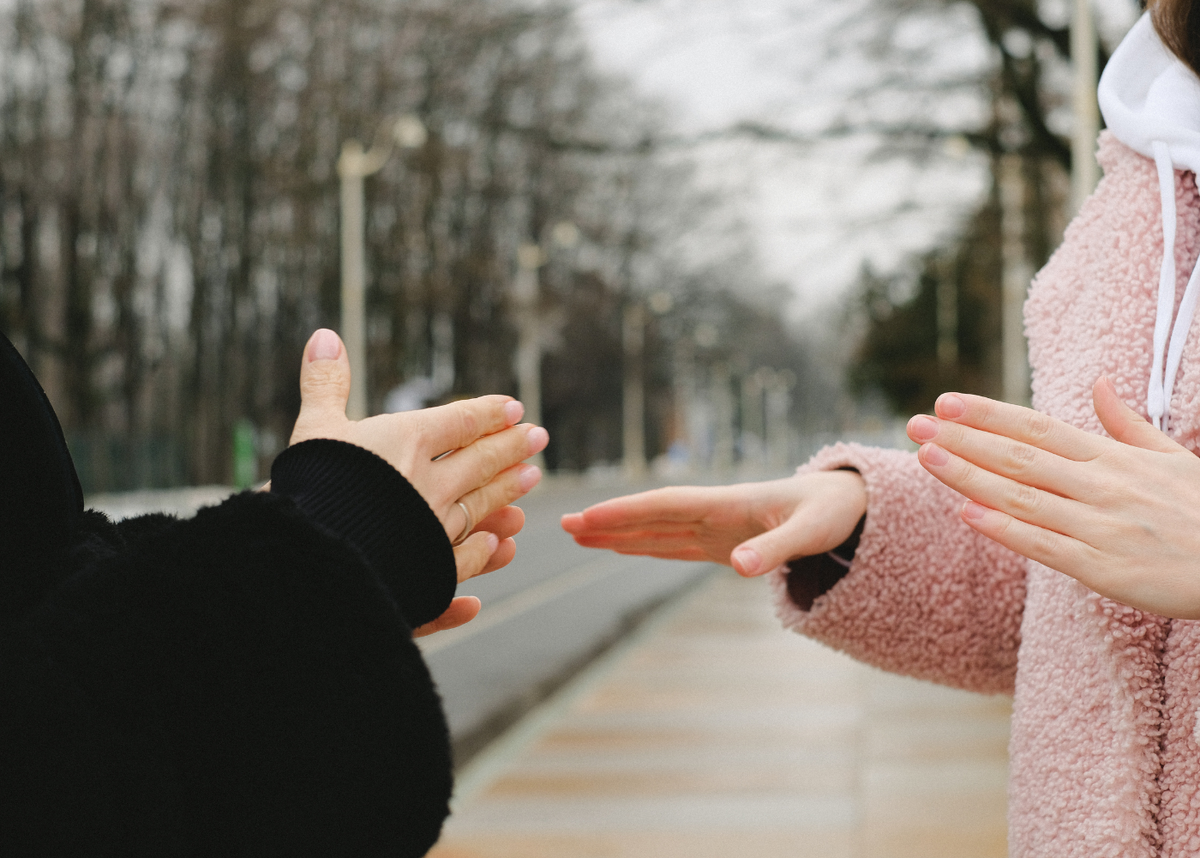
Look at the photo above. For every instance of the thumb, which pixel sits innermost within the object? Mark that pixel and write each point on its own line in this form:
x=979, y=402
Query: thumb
x=1123, y=423
x=324, y=385
x=796, y=537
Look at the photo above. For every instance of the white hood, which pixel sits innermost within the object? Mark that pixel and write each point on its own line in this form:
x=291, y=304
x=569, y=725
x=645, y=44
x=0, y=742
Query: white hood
x=1151, y=103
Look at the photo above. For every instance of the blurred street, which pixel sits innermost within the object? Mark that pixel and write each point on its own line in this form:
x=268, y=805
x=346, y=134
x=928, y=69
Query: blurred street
x=544, y=616
x=710, y=733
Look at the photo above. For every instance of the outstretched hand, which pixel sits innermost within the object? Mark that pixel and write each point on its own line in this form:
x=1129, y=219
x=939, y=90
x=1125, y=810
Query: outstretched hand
x=1119, y=514
x=753, y=527
x=467, y=453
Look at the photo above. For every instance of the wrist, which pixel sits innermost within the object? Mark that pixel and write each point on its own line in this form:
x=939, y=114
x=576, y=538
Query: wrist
x=359, y=497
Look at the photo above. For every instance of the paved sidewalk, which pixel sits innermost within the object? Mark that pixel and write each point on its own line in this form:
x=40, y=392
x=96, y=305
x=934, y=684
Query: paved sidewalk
x=711, y=733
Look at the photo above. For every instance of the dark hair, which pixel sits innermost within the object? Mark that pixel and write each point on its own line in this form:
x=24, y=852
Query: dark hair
x=1178, y=25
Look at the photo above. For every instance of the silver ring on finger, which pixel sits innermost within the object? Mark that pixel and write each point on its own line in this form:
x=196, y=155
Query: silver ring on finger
x=468, y=526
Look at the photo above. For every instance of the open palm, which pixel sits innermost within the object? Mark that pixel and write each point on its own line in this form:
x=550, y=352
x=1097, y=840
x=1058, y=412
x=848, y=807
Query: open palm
x=753, y=527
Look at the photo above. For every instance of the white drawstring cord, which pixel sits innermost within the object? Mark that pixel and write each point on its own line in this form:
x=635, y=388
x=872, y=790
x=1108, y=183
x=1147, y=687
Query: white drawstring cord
x=1179, y=335
x=1157, y=401
x=1162, y=379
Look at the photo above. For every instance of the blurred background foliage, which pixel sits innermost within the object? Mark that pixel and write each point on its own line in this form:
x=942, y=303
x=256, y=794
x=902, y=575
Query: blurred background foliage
x=169, y=209
x=169, y=225
x=1029, y=119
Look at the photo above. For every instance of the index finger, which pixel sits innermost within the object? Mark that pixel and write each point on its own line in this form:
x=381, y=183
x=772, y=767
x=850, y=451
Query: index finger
x=672, y=504
x=1020, y=424
x=460, y=424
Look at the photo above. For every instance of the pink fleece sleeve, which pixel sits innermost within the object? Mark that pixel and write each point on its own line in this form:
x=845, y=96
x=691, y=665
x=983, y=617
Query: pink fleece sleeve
x=926, y=596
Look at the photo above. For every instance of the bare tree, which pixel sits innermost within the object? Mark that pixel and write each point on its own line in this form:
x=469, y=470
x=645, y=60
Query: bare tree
x=169, y=205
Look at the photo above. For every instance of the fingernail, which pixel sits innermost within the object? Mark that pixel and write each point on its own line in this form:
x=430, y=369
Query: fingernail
x=538, y=439
x=324, y=345
x=922, y=428
x=493, y=542
x=950, y=406
x=935, y=455
x=530, y=476
x=973, y=511
x=746, y=561
x=513, y=412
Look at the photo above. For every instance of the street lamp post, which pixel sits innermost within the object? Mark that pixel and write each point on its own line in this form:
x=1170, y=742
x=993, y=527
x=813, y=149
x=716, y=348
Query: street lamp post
x=755, y=386
x=354, y=165
x=530, y=257
x=530, y=335
x=686, y=420
x=1084, y=169
x=1015, y=276
x=778, y=405
x=721, y=393
x=633, y=392
x=947, y=323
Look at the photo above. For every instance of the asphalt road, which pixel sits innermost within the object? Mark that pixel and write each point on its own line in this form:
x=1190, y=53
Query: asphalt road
x=553, y=609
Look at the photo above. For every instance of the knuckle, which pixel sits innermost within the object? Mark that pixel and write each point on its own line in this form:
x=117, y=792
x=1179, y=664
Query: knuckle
x=498, y=493
x=491, y=460
x=494, y=404
x=1001, y=529
x=1019, y=458
x=511, y=488
x=320, y=381
x=965, y=476
x=507, y=489
x=468, y=423
x=1036, y=425
x=1121, y=492
x=1045, y=546
x=1026, y=499
x=515, y=445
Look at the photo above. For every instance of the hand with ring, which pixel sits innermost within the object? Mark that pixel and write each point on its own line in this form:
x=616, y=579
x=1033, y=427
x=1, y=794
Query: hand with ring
x=464, y=458
x=468, y=525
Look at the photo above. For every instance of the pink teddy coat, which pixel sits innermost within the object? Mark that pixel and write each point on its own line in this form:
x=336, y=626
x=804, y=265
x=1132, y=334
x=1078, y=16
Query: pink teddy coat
x=1105, y=736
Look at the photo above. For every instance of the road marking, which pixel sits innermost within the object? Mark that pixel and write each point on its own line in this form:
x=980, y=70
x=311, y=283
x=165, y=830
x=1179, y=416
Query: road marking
x=528, y=599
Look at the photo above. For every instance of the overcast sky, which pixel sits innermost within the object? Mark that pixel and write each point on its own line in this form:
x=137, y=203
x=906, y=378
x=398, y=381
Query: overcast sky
x=817, y=212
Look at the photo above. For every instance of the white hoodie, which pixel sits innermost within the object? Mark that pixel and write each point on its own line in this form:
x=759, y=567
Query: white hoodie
x=1151, y=102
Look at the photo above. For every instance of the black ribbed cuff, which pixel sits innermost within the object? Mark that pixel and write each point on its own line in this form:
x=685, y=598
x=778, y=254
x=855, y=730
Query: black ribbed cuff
x=808, y=578
x=358, y=496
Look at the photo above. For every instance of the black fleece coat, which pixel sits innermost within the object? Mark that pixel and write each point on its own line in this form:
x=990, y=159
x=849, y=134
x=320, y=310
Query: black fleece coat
x=242, y=683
